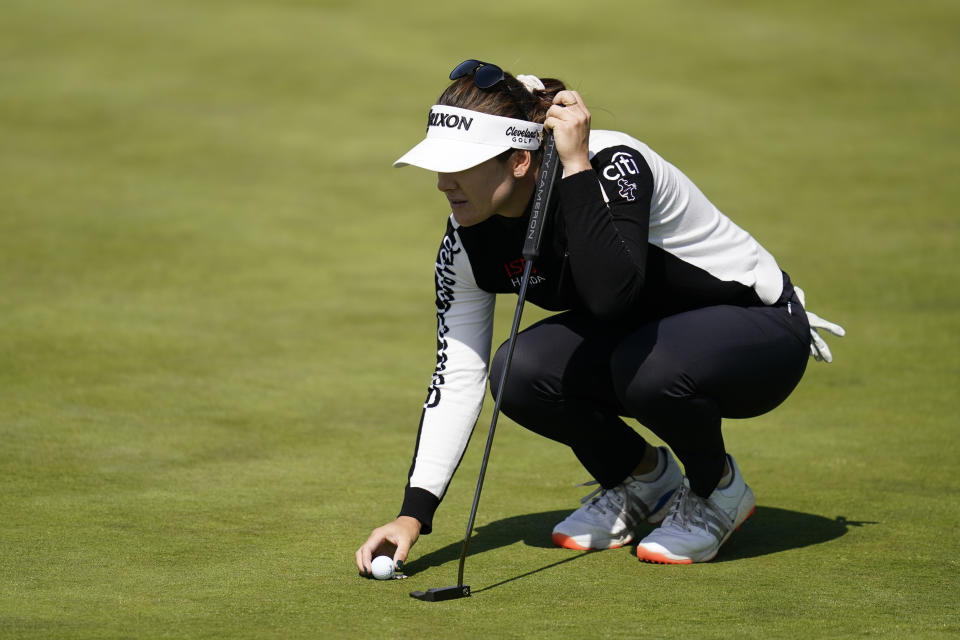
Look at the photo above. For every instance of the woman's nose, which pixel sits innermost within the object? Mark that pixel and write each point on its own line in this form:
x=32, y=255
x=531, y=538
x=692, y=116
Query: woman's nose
x=445, y=182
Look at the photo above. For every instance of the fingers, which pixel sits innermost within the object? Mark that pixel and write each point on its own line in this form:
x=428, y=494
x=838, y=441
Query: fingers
x=801, y=296
x=400, y=555
x=365, y=554
x=408, y=531
x=816, y=322
x=569, y=120
x=818, y=346
x=823, y=351
x=393, y=539
x=362, y=562
x=568, y=108
x=819, y=323
x=378, y=544
x=568, y=98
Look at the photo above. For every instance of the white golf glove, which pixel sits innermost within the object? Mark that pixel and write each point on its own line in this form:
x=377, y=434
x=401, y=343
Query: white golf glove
x=818, y=347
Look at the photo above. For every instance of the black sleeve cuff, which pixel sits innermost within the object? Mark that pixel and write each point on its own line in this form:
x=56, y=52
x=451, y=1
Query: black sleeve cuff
x=420, y=504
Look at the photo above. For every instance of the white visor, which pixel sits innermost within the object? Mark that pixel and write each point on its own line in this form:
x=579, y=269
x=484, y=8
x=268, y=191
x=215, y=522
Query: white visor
x=458, y=139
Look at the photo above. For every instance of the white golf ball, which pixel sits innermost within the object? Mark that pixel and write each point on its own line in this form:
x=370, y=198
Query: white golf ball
x=382, y=567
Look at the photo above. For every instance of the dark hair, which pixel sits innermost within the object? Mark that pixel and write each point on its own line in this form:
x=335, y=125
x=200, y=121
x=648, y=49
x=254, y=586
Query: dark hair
x=509, y=98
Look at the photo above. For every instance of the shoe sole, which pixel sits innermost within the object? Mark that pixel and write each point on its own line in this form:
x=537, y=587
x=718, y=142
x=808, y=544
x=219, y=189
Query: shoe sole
x=653, y=557
x=567, y=542
x=657, y=514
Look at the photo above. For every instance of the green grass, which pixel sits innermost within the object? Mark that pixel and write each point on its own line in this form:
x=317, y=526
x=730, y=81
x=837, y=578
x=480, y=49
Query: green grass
x=216, y=327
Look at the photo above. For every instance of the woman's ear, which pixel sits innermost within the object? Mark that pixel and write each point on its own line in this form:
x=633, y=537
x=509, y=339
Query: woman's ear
x=520, y=161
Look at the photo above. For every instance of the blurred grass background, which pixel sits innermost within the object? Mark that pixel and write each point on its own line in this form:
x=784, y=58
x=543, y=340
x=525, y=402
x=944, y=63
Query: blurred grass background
x=216, y=321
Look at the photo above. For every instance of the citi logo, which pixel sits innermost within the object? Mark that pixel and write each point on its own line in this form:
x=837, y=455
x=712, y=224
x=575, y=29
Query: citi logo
x=621, y=165
x=449, y=121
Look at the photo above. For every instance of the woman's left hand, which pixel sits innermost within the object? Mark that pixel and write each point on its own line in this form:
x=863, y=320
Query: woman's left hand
x=569, y=120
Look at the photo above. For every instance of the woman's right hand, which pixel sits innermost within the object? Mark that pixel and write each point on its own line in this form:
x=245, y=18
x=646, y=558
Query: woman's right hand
x=393, y=539
x=569, y=120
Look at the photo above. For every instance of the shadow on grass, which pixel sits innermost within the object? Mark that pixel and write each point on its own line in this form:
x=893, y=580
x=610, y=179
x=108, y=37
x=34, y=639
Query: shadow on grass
x=533, y=529
x=770, y=530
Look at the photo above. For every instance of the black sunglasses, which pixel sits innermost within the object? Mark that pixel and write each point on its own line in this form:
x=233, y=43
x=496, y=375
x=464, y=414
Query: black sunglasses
x=485, y=74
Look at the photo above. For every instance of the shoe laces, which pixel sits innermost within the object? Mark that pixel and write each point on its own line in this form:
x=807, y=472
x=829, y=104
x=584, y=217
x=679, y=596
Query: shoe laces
x=613, y=501
x=689, y=511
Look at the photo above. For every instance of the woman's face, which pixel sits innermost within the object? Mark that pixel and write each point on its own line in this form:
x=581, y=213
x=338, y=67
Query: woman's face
x=492, y=187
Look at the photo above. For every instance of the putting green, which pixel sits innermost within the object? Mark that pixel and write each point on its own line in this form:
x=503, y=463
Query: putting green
x=216, y=324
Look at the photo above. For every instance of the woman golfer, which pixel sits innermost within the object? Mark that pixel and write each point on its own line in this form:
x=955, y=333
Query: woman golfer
x=667, y=312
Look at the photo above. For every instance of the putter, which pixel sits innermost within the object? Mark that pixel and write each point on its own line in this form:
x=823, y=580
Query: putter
x=531, y=249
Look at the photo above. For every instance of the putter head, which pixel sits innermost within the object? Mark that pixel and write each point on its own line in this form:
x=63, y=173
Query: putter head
x=440, y=594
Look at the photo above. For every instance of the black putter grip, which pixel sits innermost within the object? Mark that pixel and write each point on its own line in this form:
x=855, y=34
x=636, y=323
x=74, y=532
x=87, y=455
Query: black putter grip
x=541, y=198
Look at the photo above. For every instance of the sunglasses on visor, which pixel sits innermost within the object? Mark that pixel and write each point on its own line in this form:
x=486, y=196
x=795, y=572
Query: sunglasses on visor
x=485, y=74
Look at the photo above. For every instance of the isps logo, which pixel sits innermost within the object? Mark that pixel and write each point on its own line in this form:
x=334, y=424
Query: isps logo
x=515, y=269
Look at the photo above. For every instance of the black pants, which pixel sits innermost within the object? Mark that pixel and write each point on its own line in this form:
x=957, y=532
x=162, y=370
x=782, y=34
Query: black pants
x=572, y=377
